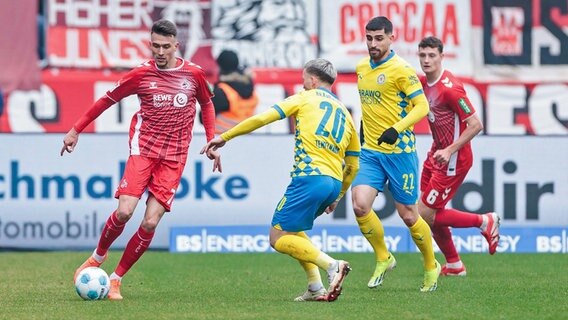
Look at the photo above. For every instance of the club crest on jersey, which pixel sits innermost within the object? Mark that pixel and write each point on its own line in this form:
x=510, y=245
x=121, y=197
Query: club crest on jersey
x=381, y=78
x=180, y=100
x=185, y=84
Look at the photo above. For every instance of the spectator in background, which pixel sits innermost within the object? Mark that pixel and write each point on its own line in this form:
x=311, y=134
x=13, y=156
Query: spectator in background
x=234, y=96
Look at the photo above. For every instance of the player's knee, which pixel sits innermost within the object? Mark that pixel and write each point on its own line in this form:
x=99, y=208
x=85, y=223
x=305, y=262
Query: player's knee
x=273, y=238
x=273, y=243
x=409, y=221
x=150, y=225
x=124, y=214
x=362, y=200
x=360, y=209
x=408, y=214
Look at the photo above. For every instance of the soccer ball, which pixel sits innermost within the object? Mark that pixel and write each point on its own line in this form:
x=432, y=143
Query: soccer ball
x=92, y=284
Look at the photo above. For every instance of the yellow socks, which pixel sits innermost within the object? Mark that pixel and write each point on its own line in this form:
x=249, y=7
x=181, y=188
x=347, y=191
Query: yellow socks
x=372, y=228
x=313, y=275
x=302, y=249
x=312, y=271
x=422, y=237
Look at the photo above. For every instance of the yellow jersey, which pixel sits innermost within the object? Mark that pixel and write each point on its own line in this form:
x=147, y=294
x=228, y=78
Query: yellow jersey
x=386, y=89
x=325, y=133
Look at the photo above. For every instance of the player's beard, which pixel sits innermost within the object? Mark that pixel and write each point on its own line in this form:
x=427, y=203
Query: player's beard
x=376, y=54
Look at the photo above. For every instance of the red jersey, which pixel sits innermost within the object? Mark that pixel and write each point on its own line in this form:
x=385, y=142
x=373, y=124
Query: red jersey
x=162, y=128
x=449, y=108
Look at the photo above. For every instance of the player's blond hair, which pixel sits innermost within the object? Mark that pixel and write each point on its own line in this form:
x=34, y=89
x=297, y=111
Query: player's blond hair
x=322, y=69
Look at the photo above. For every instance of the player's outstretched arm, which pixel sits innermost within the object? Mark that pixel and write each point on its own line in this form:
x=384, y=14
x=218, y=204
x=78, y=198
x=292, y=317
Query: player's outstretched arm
x=70, y=141
x=246, y=126
x=213, y=145
x=72, y=137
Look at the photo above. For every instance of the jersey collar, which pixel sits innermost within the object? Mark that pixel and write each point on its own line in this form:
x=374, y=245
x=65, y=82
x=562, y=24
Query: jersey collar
x=179, y=65
x=331, y=93
x=431, y=84
x=374, y=65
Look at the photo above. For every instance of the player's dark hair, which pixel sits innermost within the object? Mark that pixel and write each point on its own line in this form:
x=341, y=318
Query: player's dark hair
x=432, y=42
x=321, y=69
x=379, y=23
x=165, y=28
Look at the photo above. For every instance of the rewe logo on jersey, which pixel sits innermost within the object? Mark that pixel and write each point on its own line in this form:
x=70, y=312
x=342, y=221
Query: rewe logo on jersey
x=162, y=100
x=167, y=100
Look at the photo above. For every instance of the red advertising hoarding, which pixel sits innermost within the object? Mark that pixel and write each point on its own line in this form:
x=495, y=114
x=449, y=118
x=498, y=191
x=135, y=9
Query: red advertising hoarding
x=507, y=108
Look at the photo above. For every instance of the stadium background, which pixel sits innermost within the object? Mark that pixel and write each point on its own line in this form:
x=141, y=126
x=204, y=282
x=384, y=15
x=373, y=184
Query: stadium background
x=512, y=56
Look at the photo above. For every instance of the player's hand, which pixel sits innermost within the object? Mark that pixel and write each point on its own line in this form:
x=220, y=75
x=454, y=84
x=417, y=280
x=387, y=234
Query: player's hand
x=70, y=141
x=331, y=207
x=389, y=136
x=442, y=156
x=214, y=144
x=216, y=157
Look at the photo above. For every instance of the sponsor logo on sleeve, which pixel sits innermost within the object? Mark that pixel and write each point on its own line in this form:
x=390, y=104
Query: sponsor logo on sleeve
x=464, y=106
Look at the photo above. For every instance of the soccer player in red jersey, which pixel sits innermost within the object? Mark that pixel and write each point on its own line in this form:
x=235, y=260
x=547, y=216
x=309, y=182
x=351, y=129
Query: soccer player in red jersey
x=453, y=123
x=168, y=88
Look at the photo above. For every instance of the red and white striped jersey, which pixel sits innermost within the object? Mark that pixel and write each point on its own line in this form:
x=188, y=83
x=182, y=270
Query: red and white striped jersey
x=449, y=108
x=162, y=128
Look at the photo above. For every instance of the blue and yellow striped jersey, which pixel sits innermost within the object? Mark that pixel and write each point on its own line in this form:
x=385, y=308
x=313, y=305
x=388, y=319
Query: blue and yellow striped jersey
x=386, y=89
x=325, y=133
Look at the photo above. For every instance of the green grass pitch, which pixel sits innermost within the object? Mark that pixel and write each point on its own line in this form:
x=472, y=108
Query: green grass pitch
x=38, y=285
